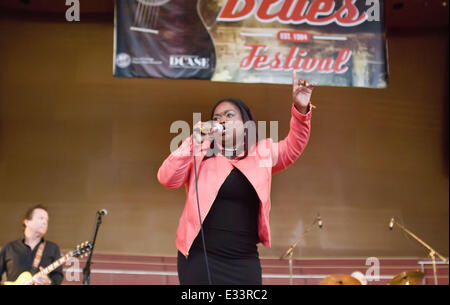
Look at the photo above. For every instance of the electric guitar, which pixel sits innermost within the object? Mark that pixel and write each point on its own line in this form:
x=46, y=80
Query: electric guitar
x=26, y=278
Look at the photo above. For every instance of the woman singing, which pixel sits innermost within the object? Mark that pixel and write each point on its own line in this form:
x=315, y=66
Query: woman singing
x=234, y=175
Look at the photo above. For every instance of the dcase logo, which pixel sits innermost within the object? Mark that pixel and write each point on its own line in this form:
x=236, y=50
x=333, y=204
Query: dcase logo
x=123, y=60
x=189, y=62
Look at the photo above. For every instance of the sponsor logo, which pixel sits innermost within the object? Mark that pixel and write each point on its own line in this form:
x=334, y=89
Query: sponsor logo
x=145, y=61
x=189, y=62
x=123, y=60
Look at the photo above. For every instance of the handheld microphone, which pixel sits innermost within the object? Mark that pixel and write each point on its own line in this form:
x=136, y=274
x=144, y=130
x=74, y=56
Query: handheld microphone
x=391, y=223
x=102, y=212
x=319, y=221
x=217, y=128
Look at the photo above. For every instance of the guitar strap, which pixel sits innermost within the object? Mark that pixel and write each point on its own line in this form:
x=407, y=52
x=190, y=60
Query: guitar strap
x=38, y=256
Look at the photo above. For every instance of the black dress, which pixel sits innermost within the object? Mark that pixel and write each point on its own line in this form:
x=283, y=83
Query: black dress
x=231, y=235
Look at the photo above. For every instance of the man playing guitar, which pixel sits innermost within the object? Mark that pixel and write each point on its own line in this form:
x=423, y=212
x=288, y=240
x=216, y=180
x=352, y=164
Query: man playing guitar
x=32, y=252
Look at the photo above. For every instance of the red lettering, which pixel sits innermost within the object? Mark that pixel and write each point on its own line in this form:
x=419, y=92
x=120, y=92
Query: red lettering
x=325, y=65
x=248, y=61
x=342, y=58
x=298, y=14
x=291, y=55
x=228, y=12
x=310, y=64
x=293, y=36
x=320, y=7
x=263, y=11
x=260, y=62
x=297, y=66
x=296, y=60
x=348, y=14
x=275, y=64
x=316, y=12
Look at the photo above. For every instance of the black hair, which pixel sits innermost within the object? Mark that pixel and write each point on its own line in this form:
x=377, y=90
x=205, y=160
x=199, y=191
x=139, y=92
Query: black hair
x=246, y=115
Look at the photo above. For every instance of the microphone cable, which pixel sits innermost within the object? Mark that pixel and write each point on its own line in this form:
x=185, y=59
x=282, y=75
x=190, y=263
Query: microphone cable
x=199, y=214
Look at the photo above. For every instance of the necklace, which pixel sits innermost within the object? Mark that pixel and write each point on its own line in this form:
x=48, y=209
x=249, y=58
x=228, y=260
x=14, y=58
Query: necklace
x=233, y=152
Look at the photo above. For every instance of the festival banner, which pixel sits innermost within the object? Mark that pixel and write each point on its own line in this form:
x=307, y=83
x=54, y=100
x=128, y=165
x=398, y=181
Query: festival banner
x=328, y=42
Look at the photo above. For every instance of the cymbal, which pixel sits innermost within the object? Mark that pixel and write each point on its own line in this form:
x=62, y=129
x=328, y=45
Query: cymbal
x=408, y=278
x=339, y=279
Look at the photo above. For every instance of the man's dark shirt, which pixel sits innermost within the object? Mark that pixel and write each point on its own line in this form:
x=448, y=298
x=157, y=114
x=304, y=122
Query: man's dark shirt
x=17, y=257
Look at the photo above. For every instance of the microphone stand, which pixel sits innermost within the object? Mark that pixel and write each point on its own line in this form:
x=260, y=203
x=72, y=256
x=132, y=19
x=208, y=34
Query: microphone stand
x=290, y=251
x=87, y=267
x=432, y=253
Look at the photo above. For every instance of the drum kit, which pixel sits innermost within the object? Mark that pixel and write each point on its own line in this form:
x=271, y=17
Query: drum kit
x=405, y=278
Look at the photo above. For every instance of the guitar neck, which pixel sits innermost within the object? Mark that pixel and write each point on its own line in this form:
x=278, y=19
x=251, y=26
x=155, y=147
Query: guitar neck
x=56, y=264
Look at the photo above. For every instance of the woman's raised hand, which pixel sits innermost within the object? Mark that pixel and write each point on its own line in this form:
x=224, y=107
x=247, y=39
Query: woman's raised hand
x=301, y=93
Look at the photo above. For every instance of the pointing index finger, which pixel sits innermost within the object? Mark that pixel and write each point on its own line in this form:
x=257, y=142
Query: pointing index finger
x=294, y=77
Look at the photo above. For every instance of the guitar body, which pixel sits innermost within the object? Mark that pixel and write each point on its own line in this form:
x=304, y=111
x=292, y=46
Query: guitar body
x=179, y=45
x=25, y=278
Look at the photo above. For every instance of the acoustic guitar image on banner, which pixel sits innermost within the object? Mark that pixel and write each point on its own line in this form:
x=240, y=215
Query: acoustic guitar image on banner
x=328, y=42
x=26, y=278
x=162, y=38
x=146, y=16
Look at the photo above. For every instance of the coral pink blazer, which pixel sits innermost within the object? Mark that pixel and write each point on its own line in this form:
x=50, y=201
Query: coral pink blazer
x=270, y=157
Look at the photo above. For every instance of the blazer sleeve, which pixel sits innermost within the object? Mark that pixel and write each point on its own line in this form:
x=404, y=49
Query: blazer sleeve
x=286, y=151
x=175, y=170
